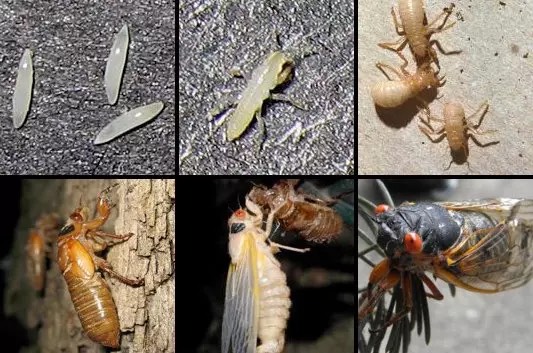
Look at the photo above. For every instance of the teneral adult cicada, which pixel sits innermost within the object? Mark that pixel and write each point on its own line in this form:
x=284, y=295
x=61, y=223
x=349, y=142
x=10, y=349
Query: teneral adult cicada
x=483, y=246
x=257, y=296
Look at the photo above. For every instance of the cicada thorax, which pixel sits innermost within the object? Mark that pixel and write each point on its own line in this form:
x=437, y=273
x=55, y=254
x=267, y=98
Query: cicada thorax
x=436, y=228
x=89, y=293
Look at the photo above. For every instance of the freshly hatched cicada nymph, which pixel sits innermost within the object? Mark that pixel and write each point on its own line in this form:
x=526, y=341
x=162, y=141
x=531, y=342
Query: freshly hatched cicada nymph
x=77, y=243
x=257, y=297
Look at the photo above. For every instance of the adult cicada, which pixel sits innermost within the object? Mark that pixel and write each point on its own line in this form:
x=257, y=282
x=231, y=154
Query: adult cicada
x=483, y=246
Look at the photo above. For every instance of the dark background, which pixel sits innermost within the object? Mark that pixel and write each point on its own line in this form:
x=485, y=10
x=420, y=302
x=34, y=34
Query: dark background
x=318, y=311
x=11, y=329
x=70, y=41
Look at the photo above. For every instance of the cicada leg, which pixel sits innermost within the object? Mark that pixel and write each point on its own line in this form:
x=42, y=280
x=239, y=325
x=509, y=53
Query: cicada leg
x=382, y=278
x=101, y=240
x=106, y=266
x=275, y=247
x=407, y=290
x=435, y=292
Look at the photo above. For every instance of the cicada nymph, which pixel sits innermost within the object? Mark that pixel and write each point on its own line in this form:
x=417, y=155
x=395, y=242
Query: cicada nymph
x=38, y=247
x=77, y=243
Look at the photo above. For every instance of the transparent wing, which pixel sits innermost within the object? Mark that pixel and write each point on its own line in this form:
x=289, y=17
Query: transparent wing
x=497, y=258
x=240, y=320
x=499, y=208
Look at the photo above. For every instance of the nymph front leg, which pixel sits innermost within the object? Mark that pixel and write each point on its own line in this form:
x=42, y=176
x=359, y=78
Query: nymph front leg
x=106, y=266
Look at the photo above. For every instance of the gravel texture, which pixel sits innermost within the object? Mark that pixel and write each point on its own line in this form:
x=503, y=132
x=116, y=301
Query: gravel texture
x=70, y=41
x=215, y=36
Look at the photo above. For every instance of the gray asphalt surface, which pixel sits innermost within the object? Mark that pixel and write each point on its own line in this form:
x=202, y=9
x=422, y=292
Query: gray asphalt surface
x=215, y=36
x=472, y=322
x=70, y=41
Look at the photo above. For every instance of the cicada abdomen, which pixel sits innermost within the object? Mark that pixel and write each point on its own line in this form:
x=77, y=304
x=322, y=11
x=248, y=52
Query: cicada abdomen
x=311, y=218
x=274, y=297
x=89, y=293
x=257, y=297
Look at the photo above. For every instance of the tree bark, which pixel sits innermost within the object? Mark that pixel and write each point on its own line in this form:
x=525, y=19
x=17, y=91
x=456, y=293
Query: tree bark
x=146, y=313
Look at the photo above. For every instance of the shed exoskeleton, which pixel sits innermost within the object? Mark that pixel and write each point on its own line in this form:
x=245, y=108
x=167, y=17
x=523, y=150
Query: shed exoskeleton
x=310, y=217
x=38, y=247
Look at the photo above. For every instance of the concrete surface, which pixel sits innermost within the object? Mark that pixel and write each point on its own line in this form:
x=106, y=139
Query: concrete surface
x=496, y=65
x=215, y=36
x=472, y=322
x=70, y=41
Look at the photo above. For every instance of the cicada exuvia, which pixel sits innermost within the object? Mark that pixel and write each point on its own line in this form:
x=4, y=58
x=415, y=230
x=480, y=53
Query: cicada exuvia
x=483, y=246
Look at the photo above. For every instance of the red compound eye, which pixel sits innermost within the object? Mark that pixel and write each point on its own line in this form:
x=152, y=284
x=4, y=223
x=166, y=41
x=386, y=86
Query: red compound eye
x=381, y=209
x=412, y=243
x=240, y=213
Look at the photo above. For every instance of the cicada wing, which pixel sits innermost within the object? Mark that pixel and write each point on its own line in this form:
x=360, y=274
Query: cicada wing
x=500, y=209
x=241, y=307
x=498, y=258
x=522, y=211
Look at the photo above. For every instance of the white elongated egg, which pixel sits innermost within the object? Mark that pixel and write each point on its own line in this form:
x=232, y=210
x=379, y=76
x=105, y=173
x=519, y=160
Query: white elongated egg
x=128, y=121
x=23, y=89
x=115, y=65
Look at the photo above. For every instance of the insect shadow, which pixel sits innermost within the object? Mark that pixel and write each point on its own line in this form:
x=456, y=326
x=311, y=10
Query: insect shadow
x=461, y=157
x=399, y=117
